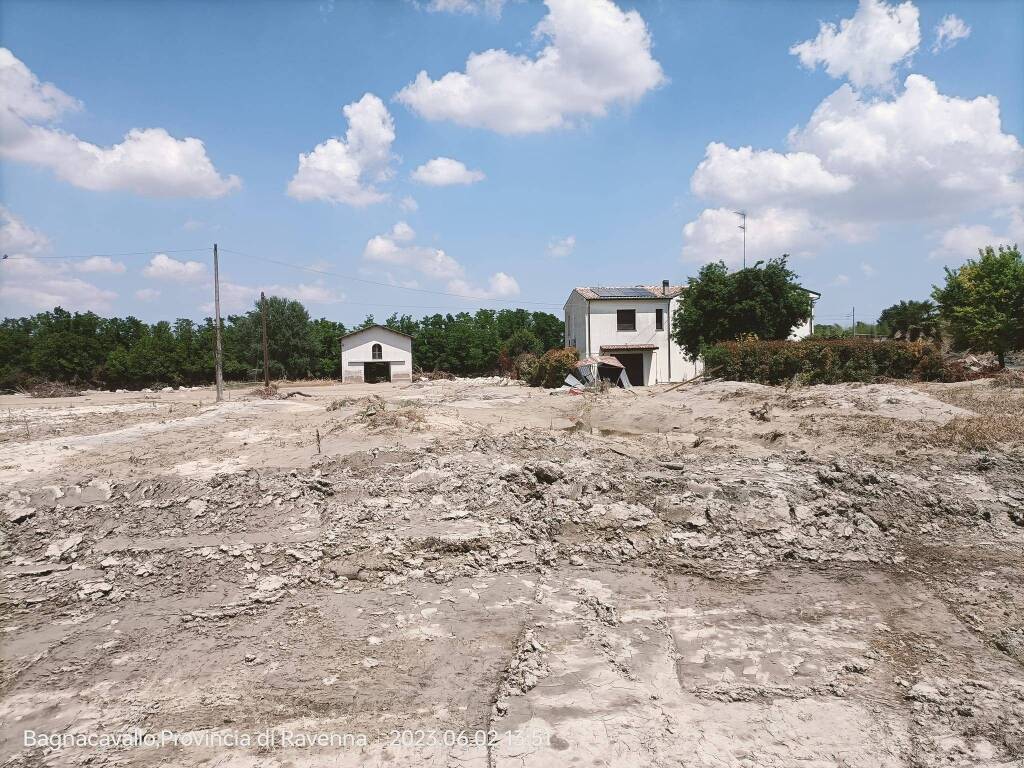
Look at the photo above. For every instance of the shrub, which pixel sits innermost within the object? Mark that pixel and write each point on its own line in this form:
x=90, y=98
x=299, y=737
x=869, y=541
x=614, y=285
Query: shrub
x=553, y=366
x=525, y=366
x=826, y=361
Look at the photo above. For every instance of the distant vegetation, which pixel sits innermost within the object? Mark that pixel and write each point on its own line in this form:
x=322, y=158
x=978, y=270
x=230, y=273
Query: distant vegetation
x=739, y=321
x=979, y=309
x=86, y=349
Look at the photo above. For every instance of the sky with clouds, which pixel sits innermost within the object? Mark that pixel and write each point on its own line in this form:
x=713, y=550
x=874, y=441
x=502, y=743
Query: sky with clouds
x=442, y=155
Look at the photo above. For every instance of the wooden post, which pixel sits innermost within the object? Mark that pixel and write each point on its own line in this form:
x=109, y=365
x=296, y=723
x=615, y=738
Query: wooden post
x=266, y=352
x=217, y=350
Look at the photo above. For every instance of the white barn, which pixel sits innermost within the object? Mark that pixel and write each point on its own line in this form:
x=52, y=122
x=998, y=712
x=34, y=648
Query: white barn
x=376, y=353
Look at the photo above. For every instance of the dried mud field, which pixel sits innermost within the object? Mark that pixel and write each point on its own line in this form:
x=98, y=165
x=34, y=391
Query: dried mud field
x=475, y=573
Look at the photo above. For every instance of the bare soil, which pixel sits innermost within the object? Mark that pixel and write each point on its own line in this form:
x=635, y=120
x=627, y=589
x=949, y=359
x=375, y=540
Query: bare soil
x=720, y=575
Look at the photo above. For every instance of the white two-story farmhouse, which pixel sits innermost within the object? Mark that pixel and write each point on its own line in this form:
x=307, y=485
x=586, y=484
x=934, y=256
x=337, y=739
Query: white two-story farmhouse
x=634, y=325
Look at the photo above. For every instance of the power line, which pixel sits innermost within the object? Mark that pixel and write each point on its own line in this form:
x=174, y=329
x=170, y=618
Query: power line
x=108, y=255
x=384, y=284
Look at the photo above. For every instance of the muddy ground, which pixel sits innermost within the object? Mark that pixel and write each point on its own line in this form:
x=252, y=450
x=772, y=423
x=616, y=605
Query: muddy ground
x=474, y=573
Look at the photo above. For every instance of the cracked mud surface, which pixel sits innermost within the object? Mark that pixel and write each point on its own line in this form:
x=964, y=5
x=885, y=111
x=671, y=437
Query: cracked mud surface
x=723, y=575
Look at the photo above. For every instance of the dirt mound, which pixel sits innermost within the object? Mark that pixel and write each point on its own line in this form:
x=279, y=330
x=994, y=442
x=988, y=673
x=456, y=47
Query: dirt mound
x=600, y=592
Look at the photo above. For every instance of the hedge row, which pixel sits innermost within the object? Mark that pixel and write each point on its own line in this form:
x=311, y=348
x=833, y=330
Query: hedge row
x=824, y=361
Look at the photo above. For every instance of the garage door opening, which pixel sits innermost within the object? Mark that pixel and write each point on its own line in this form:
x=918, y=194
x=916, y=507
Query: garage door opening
x=375, y=373
x=634, y=365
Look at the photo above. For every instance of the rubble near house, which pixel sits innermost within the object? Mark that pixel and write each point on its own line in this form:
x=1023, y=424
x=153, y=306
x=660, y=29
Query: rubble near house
x=597, y=371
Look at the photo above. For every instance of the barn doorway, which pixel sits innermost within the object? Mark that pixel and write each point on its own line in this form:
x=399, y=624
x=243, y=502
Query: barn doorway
x=375, y=373
x=633, y=362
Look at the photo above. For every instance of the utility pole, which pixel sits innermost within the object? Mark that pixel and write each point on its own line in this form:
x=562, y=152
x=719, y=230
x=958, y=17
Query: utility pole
x=743, y=226
x=266, y=353
x=217, y=349
x=853, y=314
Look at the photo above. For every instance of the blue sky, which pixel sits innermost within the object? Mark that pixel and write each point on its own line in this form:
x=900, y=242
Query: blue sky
x=601, y=144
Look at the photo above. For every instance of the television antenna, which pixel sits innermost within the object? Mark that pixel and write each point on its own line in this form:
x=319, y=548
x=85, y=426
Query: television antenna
x=743, y=226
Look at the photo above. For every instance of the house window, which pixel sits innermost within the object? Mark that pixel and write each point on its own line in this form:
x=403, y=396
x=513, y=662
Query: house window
x=659, y=319
x=625, y=319
x=376, y=352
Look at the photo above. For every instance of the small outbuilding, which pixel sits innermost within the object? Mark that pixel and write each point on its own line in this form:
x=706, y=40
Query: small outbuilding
x=376, y=353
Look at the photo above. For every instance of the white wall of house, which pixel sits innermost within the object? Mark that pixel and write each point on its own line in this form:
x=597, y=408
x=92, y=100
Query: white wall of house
x=357, y=349
x=576, y=323
x=802, y=331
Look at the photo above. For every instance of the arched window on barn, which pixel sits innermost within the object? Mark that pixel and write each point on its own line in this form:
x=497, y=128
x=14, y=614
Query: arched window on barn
x=376, y=352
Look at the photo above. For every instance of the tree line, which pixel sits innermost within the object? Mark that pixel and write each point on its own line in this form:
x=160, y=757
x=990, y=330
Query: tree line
x=86, y=349
x=980, y=307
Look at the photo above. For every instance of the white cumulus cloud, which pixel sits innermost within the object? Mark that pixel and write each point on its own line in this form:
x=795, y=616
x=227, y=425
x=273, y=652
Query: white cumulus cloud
x=744, y=177
x=715, y=235
x=402, y=232
x=948, y=32
x=237, y=297
x=959, y=243
x=147, y=294
x=444, y=172
x=17, y=237
x=867, y=48
x=101, y=264
x=163, y=267
x=29, y=283
x=499, y=286
x=859, y=164
x=149, y=161
x=561, y=247
x=471, y=7
x=595, y=56
x=397, y=249
x=347, y=170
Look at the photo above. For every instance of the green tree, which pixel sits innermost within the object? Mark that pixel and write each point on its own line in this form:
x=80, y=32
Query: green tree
x=126, y=352
x=15, y=351
x=828, y=331
x=910, y=319
x=326, y=335
x=549, y=329
x=982, y=302
x=764, y=300
x=522, y=341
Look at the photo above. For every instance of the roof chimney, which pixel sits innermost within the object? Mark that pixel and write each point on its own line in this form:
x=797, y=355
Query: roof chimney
x=664, y=287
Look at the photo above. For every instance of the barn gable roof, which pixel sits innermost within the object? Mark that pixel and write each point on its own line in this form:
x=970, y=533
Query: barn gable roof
x=376, y=325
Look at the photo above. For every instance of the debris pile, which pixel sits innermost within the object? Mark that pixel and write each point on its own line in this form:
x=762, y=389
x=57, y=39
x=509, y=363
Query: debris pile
x=52, y=389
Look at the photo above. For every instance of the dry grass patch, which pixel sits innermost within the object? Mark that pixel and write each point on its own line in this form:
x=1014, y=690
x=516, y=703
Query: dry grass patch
x=870, y=430
x=999, y=419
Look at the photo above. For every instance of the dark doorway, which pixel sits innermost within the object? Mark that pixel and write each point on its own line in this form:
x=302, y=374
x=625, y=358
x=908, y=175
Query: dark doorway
x=633, y=362
x=375, y=373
